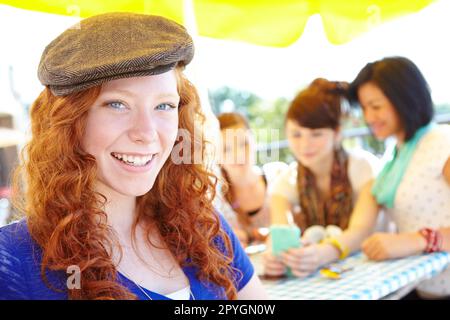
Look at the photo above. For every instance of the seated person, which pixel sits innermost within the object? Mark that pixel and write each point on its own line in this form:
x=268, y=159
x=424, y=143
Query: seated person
x=414, y=186
x=321, y=187
x=246, y=184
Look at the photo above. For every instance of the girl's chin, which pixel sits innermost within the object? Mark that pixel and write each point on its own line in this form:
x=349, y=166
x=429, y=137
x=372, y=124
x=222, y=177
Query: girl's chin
x=307, y=163
x=133, y=190
x=310, y=159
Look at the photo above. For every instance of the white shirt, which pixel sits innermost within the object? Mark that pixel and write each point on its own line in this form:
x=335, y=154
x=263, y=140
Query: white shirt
x=362, y=167
x=182, y=294
x=423, y=197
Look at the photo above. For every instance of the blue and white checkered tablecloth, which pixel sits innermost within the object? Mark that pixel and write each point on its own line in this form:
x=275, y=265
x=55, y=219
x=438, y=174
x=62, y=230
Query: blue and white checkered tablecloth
x=368, y=280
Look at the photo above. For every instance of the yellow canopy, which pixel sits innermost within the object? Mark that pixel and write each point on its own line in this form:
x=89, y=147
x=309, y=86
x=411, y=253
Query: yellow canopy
x=263, y=22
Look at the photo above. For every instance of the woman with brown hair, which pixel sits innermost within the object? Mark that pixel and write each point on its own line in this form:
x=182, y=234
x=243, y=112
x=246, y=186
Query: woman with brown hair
x=246, y=188
x=110, y=211
x=320, y=188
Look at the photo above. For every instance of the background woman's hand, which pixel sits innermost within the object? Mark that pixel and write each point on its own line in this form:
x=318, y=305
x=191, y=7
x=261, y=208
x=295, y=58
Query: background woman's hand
x=273, y=266
x=383, y=246
x=302, y=261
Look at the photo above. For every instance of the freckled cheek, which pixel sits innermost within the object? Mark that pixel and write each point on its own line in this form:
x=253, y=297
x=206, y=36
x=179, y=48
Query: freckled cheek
x=98, y=137
x=91, y=139
x=168, y=133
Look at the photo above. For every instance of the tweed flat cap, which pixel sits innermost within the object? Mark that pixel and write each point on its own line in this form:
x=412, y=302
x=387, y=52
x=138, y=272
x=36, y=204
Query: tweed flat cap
x=113, y=46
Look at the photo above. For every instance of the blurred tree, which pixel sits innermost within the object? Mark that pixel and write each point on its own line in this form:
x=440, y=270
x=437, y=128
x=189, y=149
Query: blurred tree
x=226, y=99
x=266, y=118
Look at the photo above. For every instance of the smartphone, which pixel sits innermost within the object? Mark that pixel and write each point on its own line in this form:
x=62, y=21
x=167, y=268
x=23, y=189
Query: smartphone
x=284, y=237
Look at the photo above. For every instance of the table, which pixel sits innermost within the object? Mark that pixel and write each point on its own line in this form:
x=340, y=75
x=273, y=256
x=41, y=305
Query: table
x=367, y=280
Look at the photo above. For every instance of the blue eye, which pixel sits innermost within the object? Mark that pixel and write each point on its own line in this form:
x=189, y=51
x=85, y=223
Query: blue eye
x=165, y=106
x=118, y=105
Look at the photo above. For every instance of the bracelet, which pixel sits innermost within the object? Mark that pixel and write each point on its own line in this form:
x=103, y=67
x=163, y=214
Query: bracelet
x=343, y=249
x=433, y=238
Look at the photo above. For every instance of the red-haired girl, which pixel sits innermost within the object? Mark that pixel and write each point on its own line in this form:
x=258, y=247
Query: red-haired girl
x=110, y=211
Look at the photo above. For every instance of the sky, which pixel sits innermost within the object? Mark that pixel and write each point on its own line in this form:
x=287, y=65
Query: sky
x=268, y=72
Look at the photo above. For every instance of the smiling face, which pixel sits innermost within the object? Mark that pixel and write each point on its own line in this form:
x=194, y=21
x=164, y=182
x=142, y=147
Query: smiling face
x=131, y=129
x=379, y=113
x=310, y=146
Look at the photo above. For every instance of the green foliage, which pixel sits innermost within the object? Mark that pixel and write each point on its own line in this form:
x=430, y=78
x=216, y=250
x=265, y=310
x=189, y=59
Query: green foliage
x=240, y=99
x=266, y=118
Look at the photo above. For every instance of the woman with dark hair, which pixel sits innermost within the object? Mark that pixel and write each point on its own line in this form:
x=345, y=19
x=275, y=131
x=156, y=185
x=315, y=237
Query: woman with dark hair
x=109, y=212
x=247, y=184
x=414, y=185
x=318, y=190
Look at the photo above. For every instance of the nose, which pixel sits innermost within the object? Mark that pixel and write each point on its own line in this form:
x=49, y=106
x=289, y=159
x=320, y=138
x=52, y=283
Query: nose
x=143, y=128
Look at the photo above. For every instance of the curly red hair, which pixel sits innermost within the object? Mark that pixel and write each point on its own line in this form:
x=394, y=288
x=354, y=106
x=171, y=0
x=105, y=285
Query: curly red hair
x=63, y=209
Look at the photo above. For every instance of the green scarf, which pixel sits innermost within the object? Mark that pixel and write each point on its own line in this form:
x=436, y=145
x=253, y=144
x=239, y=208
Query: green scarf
x=387, y=182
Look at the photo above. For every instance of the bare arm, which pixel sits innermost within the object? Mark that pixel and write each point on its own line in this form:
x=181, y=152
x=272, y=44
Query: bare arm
x=446, y=239
x=362, y=222
x=388, y=246
x=253, y=290
x=280, y=209
x=303, y=261
x=446, y=171
x=446, y=231
x=417, y=242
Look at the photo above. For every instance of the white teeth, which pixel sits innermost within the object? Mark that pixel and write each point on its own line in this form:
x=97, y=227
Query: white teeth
x=133, y=160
